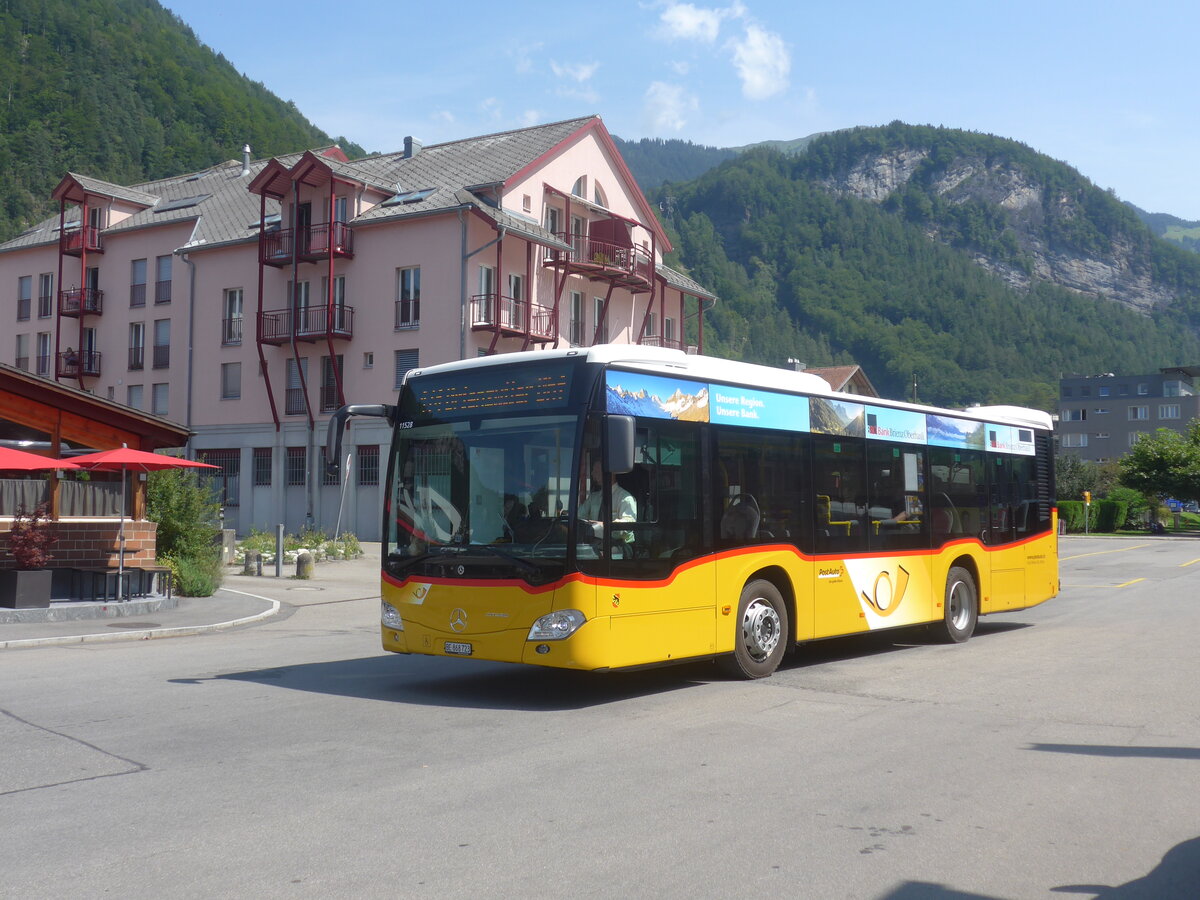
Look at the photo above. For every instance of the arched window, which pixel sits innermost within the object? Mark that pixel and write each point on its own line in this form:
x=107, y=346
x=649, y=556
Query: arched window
x=580, y=188
x=598, y=195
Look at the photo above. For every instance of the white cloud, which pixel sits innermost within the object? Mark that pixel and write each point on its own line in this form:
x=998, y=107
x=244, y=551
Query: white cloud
x=530, y=117
x=579, y=72
x=668, y=105
x=680, y=68
x=444, y=117
x=762, y=61
x=684, y=22
x=491, y=107
x=523, y=57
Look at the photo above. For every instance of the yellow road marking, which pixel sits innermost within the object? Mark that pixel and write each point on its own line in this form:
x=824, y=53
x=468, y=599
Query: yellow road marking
x=1123, y=584
x=1102, y=552
x=1188, y=563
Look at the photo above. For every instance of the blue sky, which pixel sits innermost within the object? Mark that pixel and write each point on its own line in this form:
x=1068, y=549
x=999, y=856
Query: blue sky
x=1108, y=87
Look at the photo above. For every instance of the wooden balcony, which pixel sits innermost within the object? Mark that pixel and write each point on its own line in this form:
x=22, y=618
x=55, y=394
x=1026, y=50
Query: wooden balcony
x=313, y=323
x=310, y=244
x=627, y=267
x=513, y=318
x=80, y=301
x=77, y=241
x=74, y=364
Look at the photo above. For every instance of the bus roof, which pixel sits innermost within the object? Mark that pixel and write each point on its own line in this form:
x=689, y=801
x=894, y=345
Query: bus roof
x=675, y=362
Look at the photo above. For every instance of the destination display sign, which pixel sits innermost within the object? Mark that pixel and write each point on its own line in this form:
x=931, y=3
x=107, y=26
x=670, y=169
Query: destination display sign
x=493, y=392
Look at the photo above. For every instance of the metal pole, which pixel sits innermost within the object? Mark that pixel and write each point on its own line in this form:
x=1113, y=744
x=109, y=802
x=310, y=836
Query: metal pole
x=279, y=550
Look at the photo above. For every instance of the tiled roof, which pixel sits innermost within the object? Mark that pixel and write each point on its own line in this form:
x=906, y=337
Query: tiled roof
x=115, y=191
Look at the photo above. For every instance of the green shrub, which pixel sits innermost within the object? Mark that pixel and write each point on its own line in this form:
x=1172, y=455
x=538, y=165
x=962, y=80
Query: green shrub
x=195, y=577
x=1110, y=514
x=1070, y=514
x=185, y=512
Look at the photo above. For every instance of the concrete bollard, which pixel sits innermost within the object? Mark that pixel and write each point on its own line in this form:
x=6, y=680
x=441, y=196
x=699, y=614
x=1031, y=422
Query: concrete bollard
x=304, y=564
x=257, y=563
x=253, y=562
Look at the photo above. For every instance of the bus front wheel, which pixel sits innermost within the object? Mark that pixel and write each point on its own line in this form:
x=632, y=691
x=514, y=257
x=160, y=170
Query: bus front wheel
x=762, y=632
x=960, y=611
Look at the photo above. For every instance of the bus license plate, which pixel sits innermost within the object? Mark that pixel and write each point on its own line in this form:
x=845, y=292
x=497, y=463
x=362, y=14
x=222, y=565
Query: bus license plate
x=457, y=648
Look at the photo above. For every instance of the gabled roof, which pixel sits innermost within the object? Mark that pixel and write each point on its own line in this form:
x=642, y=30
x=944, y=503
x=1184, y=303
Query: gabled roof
x=682, y=283
x=841, y=377
x=74, y=188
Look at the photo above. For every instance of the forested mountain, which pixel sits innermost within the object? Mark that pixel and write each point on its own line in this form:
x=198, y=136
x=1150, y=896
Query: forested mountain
x=122, y=90
x=982, y=267
x=655, y=160
x=1183, y=232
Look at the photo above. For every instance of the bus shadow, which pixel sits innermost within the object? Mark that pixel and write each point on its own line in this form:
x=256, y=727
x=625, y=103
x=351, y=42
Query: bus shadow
x=875, y=643
x=461, y=684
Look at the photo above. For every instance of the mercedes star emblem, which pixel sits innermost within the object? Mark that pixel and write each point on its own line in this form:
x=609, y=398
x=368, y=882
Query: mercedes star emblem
x=458, y=619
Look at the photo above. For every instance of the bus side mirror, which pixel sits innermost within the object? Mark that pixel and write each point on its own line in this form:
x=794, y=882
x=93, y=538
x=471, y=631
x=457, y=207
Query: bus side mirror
x=619, y=438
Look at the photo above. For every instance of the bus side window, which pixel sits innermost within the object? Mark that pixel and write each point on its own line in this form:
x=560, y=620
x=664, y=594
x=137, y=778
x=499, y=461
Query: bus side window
x=839, y=486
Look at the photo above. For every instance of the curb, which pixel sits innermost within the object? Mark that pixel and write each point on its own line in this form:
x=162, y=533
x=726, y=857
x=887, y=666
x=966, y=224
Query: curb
x=149, y=633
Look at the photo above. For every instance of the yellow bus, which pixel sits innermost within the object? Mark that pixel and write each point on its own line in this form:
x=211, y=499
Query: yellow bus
x=624, y=506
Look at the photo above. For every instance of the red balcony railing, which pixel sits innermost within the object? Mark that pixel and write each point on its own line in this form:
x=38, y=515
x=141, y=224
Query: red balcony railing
x=514, y=317
x=75, y=241
x=80, y=301
x=309, y=323
x=629, y=266
x=314, y=241
x=73, y=364
x=311, y=243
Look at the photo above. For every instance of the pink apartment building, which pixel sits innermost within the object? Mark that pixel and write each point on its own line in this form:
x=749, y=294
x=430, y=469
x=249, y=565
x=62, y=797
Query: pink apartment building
x=250, y=300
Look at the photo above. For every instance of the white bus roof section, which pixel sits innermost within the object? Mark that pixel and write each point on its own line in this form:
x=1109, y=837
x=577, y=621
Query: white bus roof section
x=710, y=368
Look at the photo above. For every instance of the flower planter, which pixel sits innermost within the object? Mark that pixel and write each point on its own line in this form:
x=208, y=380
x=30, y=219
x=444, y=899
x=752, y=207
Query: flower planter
x=25, y=588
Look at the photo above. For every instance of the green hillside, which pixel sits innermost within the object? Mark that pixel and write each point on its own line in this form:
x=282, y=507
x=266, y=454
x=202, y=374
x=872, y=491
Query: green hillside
x=897, y=286
x=122, y=90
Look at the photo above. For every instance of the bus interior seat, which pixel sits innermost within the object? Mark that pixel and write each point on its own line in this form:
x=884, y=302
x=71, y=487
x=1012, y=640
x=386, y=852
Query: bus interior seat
x=741, y=518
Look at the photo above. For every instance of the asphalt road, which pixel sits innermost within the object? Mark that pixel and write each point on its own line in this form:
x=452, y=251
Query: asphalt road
x=1055, y=754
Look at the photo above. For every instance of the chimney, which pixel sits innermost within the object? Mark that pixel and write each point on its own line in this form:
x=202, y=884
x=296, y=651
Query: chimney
x=411, y=147
x=796, y=365
x=246, y=160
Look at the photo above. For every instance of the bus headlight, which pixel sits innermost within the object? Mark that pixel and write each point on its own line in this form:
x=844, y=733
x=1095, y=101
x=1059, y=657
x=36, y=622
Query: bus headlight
x=390, y=616
x=556, y=626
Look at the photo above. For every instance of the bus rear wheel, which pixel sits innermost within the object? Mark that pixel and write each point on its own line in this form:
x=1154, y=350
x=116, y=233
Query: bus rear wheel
x=762, y=632
x=960, y=611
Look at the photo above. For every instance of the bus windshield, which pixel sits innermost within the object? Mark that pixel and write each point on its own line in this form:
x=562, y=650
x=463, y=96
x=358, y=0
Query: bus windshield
x=481, y=498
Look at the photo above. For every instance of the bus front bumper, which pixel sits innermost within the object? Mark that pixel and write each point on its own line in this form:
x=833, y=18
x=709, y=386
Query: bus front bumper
x=585, y=650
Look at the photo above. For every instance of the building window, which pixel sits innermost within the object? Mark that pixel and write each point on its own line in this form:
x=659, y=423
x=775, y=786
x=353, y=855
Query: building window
x=1102, y=392
x=1168, y=411
x=162, y=281
x=1101, y=411
x=368, y=360
x=1135, y=436
x=1171, y=389
x=652, y=324
x=1085, y=392
x=262, y=466
x=23, y=352
x=601, y=325
x=579, y=188
x=1074, y=415
x=329, y=382
x=668, y=331
x=330, y=478
x=231, y=381
x=45, y=296
x=577, y=323
x=137, y=346
x=294, y=403
x=408, y=297
x=1074, y=440
x=231, y=321
x=598, y=196
x=368, y=465
x=43, y=352
x=526, y=203
x=137, y=283
x=1143, y=389
x=133, y=396
x=405, y=361
x=1137, y=413
x=24, y=297
x=223, y=482
x=1067, y=392
x=295, y=466
x=162, y=343
x=160, y=399
x=1123, y=390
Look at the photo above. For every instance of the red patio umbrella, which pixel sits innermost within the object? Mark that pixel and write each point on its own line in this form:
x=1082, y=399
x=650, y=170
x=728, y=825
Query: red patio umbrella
x=12, y=460
x=125, y=460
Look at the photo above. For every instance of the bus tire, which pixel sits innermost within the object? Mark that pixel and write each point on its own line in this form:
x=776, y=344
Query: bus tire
x=960, y=610
x=761, y=637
